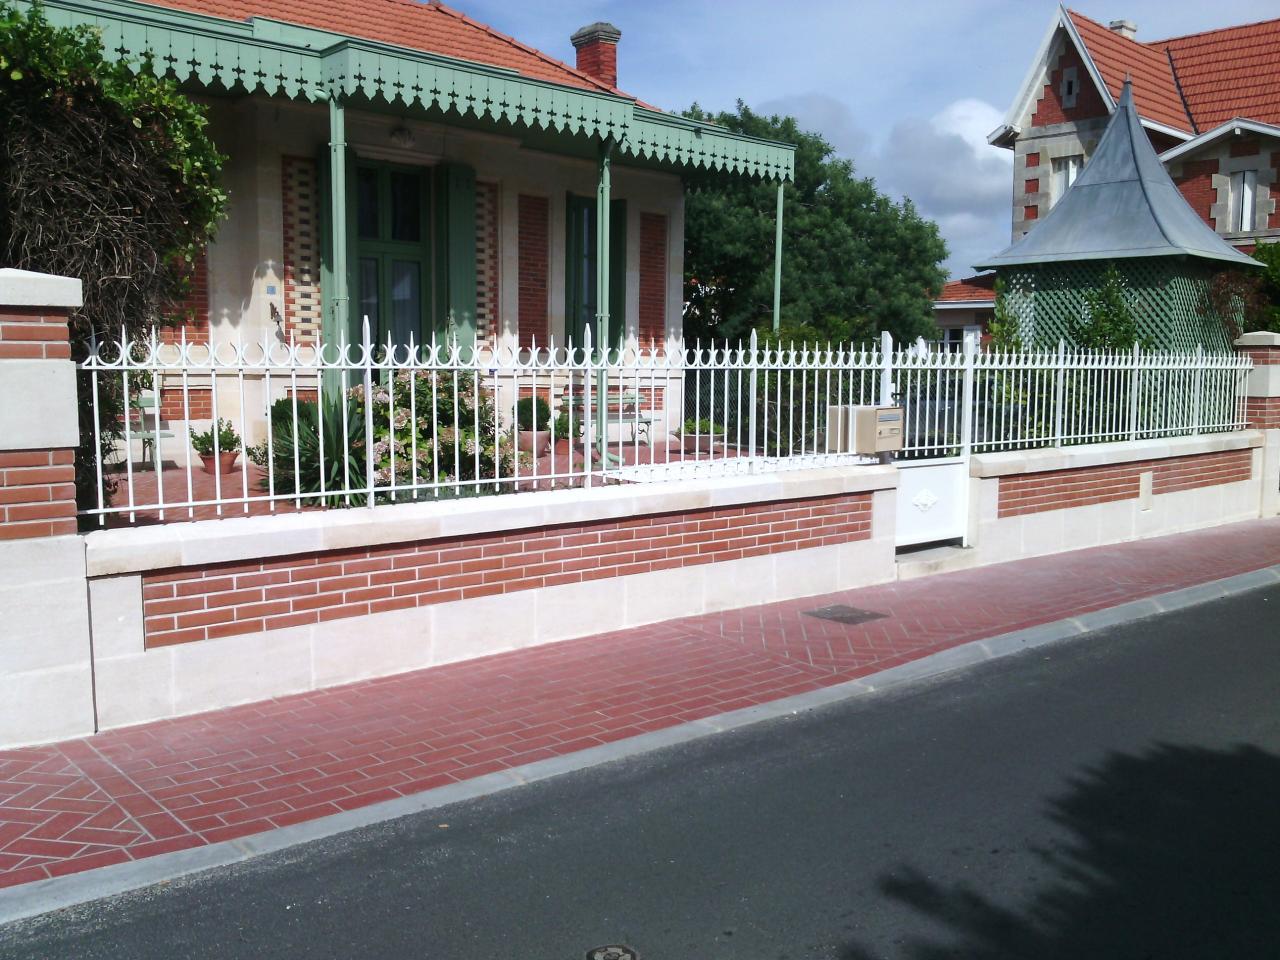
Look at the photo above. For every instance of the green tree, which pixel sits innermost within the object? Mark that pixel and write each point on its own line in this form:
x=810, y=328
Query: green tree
x=1004, y=330
x=106, y=174
x=1108, y=322
x=854, y=262
x=1267, y=314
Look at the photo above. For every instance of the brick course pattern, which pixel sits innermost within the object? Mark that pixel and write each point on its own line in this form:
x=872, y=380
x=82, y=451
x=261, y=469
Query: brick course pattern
x=303, y=311
x=1196, y=183
x=33, y=333
x=190, y=604
x=192, y=312
x=1060, y=489
x=532, y=303
x=1263, y=413
x=37, y=493
x=1049, y=110
x=199, y=405
x=488, y=321
x=653, y=278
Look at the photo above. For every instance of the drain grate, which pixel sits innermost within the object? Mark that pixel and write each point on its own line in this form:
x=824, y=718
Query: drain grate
x=614, y=951
x=842, y=613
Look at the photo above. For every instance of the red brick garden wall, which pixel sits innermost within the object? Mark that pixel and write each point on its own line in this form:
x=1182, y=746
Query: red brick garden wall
x=1060, y=489
x=189, y=604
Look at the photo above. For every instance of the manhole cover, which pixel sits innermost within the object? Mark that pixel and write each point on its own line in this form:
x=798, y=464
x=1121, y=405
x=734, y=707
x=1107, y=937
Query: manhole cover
x=841, y=613
x=615, y=951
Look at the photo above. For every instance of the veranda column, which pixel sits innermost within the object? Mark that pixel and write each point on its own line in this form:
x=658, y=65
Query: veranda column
x=777, y=260
x=45, y=674
x=603, y=340
x=1262, y=409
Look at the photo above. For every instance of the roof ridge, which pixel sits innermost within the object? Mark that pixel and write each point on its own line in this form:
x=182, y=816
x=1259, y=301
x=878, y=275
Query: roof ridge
x=1205, y=33
x=507, y=38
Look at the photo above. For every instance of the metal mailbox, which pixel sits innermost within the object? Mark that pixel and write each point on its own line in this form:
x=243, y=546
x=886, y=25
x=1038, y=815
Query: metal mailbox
x=864, y=430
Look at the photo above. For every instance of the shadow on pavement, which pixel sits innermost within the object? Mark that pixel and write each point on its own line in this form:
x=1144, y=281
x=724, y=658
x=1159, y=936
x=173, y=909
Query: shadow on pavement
x=1172, y=854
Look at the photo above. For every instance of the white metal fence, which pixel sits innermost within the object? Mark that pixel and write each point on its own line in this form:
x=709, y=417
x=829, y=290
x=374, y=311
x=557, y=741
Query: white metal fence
x=307, y=428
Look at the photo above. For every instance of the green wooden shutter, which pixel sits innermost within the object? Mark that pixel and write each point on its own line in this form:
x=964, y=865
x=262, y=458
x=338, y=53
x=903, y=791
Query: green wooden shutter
x=580, y=271
x=455, y=254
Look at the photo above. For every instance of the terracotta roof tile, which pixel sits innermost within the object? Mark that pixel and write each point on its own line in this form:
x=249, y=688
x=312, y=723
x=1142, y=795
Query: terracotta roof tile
x=980, y=287
x=1225, y=73
x=431, y=27
x=1154, y=92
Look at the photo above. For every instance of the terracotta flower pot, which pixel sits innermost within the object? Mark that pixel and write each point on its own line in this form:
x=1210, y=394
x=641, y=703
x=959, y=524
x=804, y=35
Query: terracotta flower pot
x=537, y=442
x=702, y=444
x=225, y=461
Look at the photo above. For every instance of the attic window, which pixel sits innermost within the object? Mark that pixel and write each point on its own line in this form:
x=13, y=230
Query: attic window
x=1069, y=87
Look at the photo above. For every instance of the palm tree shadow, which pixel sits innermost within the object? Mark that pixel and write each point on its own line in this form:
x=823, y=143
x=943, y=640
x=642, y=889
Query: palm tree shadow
x=1172, y=854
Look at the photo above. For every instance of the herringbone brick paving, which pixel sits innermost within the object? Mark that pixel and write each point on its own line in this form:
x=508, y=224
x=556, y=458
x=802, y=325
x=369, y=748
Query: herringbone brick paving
x=175, y=784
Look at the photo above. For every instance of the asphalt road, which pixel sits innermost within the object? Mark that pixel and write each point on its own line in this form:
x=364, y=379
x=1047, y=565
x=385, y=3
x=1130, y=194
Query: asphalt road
x=1114, y=796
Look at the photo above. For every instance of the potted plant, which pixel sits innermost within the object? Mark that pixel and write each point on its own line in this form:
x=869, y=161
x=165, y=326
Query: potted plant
x=702, y=435
x=228, y=447
x=562, y=435
x=533, y=423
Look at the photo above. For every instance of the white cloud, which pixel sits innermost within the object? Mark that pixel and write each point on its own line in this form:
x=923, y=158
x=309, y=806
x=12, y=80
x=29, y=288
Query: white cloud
x=943, y=164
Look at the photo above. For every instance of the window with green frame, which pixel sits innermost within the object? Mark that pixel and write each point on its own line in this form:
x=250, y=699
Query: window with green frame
x=392, y=252
x=580, y=270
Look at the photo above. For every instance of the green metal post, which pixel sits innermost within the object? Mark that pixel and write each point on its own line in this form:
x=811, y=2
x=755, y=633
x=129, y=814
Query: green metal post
x=338, y=323
x=602, y=338
x=777, y=261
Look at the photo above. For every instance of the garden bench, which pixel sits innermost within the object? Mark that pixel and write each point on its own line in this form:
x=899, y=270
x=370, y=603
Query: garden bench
x=145, y=405
x=627, y=406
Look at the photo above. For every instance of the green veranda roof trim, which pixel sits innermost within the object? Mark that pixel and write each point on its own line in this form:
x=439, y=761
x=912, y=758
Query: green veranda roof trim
x=1122, y=206
x=282, y=59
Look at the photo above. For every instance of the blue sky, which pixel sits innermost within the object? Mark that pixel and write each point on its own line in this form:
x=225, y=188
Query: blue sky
x=908, y=89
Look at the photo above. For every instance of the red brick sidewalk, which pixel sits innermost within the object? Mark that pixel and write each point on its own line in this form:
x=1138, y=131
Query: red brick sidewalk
x=176, y=784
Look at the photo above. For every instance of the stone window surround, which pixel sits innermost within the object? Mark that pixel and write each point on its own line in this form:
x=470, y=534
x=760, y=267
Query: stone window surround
x=1052, y=143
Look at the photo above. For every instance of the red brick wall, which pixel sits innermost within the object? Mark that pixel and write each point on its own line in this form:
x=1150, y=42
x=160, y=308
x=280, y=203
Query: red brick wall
x=34, y=333
x=1031, y=212
x=599, y=60
x=191, y=604
x=1245, y=148
x=1059, y=489
x=192, y=312
x=1262, y=413
x=1032, y=185
x=533, y=231
x=1274, y=221
x=37, y=493
x=653, y=278
x=488, y=318
x=200, y=402
x=1088, y=100
x=1033, y=159
x=1196, y=183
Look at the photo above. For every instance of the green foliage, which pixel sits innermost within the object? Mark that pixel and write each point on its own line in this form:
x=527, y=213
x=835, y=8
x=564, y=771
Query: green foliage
x=1004, y=330
x=228, y=439
x=1267, y=315
x=1108, y=322
x=341, y=468
x=461, y=445
x=703, y=426
x=854, y=262
x=107, y=175
x=560, y=428
x=533, y=413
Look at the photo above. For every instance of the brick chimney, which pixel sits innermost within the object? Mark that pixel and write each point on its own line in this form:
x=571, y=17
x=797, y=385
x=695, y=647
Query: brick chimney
x=597, y=46
x=1126, y=28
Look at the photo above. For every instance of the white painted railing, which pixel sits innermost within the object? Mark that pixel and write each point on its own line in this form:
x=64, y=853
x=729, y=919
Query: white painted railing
x=445, y=420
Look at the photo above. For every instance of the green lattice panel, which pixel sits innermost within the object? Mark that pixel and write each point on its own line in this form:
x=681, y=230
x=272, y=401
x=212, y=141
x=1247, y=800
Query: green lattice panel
x=1167, y=296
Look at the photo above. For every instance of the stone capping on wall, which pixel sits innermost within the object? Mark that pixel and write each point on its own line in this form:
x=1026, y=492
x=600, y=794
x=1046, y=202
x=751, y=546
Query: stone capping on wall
x=203, y=542
x=1016, y=462
x=22, y=288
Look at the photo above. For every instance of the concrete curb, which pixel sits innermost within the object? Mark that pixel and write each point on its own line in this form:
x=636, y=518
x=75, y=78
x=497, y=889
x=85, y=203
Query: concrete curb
x=33, y=899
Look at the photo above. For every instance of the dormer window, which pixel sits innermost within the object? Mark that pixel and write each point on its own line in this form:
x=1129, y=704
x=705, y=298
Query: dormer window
x=1069, y=88
x=1244, y=200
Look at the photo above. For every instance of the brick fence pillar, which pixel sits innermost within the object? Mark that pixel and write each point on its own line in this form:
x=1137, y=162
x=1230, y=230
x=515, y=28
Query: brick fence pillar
x=45, y=657
x=1263, y=409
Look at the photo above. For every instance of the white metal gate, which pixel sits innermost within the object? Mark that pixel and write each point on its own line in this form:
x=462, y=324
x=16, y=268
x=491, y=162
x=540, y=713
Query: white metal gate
x=935, y=389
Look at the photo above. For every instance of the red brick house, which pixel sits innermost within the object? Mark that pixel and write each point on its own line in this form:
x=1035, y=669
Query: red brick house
x=1210, y=103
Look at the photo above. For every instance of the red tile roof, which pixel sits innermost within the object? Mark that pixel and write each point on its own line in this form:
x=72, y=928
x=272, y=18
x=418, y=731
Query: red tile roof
x=1225, y=73
x=980, y=287
x=431, y=27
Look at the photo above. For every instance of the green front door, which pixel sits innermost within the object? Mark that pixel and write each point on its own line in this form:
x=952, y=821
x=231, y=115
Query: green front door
x=392, y=252
x=580, y=270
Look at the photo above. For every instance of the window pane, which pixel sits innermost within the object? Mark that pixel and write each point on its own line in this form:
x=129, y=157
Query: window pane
x=369, y=292
x=367, y=202
x=406, y=206
x=406, y=300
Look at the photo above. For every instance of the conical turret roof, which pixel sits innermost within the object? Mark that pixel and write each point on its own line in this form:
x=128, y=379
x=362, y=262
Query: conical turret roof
x=1122, y=205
